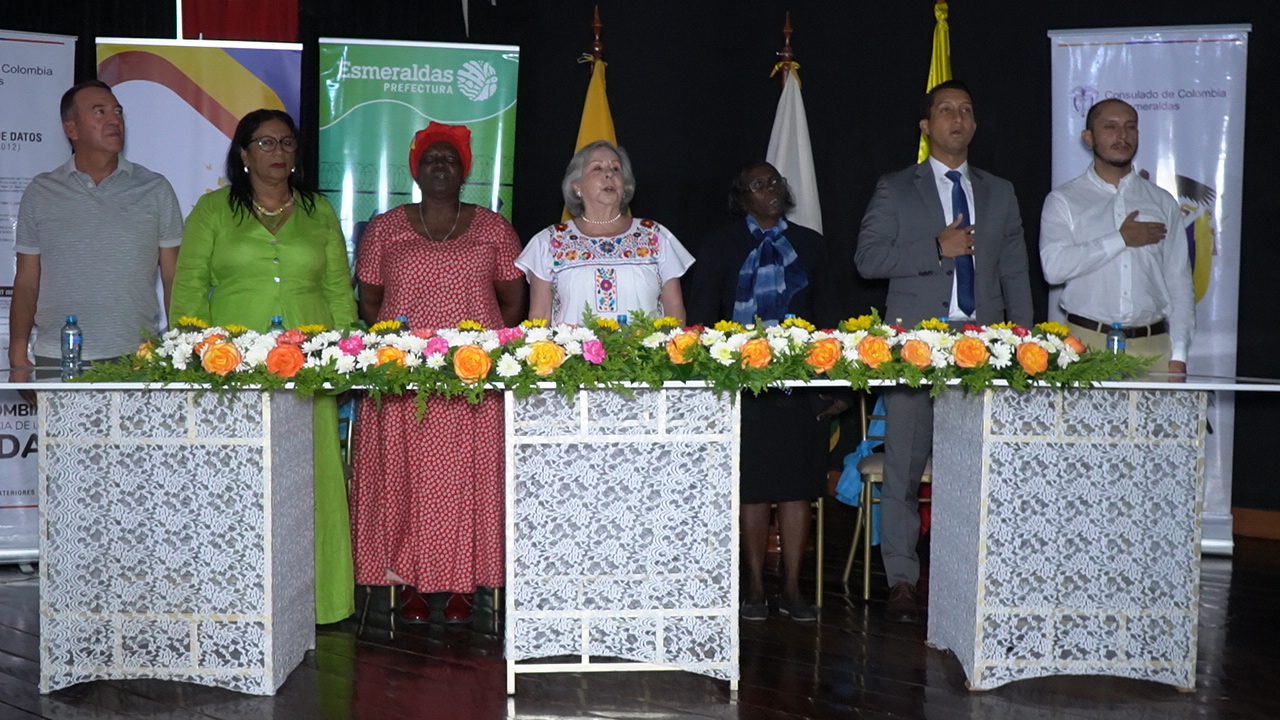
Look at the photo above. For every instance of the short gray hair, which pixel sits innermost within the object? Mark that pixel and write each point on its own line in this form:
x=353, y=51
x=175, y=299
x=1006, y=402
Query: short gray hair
x=573, y=174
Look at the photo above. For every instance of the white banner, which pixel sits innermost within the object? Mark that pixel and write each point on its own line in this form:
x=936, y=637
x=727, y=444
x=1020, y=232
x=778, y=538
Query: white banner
x=1188, y=86
x=35, y=70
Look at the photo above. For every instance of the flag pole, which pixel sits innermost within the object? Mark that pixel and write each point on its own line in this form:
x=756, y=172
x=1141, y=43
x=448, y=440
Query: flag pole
x=788, y=57
x=597, y=47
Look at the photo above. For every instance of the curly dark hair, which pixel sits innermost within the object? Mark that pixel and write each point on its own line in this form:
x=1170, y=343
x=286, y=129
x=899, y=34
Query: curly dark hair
x=241, y=196
x=738, y=191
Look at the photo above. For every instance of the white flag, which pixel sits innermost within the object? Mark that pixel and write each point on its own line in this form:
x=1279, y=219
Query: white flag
x=790, y=152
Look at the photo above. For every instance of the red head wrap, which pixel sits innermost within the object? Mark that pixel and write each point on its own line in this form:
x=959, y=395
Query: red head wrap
x=459, y=136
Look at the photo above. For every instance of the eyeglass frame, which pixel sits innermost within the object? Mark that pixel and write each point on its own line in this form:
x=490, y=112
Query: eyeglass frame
x=761, y=183
x=265, y=140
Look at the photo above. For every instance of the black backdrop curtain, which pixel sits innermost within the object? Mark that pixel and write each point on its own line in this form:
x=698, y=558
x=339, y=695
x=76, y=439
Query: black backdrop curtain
x=691, y=97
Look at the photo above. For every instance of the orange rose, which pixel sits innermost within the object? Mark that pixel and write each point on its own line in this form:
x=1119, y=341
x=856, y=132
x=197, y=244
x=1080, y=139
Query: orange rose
x=756, y=353
x=678, y=347
x=1033, y=358
x=285, y=360
x=220, y=358
x=544, y=357
x=204, y=344
x=874, y=351
x=917, y=353
x=471, y=363
x=1074, y=343
x=970, y=352
x=823, y=355
x=389, y=354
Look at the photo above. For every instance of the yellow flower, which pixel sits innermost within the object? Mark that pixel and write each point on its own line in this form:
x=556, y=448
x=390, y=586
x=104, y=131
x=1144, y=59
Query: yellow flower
x=863, y=322
x=935, y=324
x=312, y=329
x=544, y=357
x=607, y=324
x=235, y=329
x=539, y=322
x=385, y=325
x=470, y=325
x=664, y=323
x=728, y=326
x=1054, y=328
x=1006, y=325
x=194, y=322
x=798, y=322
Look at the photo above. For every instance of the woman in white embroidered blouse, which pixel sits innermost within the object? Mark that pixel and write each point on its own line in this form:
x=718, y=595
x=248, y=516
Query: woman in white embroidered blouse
x=603, y=260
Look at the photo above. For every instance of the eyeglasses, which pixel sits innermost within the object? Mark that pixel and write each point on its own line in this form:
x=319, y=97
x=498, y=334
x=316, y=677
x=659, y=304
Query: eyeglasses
x=267, y=143
x=770, y=182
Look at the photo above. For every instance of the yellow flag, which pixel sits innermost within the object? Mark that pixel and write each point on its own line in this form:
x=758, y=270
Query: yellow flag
x=597, y=121
x=939, y=64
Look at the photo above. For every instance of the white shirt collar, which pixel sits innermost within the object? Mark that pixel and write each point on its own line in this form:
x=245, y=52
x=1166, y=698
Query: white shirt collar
x=940, y=170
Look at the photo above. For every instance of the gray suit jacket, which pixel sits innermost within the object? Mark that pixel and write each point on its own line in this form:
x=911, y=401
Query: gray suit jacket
x=898, y=242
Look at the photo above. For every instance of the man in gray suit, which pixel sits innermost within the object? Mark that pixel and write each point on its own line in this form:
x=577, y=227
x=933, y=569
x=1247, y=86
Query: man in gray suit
x=943, y=260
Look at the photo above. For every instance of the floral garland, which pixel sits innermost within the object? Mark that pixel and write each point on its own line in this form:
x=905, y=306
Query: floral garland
x=470, y=359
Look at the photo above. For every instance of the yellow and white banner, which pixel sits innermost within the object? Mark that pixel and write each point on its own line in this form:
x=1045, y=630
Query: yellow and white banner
x=35, y=70
x=1188, y=86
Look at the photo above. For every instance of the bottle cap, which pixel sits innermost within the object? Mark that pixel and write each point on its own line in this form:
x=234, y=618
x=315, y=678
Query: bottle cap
x=402, y=318
x=1116, y=326
x=71, y=319
x=276, y=319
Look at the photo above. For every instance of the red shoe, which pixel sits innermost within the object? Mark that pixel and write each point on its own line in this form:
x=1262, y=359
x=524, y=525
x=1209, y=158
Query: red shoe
x=458, y=611
x=413, y=606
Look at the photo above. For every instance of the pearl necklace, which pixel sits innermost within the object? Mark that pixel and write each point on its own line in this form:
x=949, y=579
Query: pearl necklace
x=427, y=230
x=601, y=222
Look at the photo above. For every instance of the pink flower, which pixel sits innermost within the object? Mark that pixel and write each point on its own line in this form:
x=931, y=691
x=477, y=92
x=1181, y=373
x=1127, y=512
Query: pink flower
x=506, y=335
x=593, y=352
x=1019, y=331
x=436, y=346
x=423, y=333
x=291, y=337
x=351, y=345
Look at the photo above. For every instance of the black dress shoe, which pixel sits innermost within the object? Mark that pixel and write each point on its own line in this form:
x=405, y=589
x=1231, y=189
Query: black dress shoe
x=902, y=607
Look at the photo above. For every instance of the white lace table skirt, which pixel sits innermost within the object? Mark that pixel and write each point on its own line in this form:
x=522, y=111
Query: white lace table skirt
x=175, y=537
x=1066, y=533
x=622, y=523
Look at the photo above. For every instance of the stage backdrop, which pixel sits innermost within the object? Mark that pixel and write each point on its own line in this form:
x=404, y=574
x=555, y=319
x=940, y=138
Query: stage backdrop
x=374, y=95
x=183, y=98
x=35, y=70
x=1188, y=85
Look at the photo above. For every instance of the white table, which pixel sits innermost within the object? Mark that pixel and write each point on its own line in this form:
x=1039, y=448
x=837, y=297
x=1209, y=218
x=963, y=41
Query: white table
x=175, y=535
x=1066, y=532
x=622, y=531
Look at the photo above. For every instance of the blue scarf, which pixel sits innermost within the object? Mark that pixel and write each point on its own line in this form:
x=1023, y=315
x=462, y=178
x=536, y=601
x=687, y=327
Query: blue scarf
x=770, y=275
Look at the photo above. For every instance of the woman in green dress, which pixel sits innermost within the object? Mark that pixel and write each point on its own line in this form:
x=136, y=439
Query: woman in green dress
x=265, y=246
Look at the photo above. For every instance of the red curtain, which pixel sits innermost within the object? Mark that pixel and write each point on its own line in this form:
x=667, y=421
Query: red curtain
x=265, y=20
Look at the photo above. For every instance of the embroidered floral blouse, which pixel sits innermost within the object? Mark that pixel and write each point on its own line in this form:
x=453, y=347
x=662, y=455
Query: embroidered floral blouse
x=611, y=276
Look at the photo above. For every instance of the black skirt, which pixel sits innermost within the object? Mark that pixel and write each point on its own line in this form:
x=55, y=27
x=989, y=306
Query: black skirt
x=784, y=446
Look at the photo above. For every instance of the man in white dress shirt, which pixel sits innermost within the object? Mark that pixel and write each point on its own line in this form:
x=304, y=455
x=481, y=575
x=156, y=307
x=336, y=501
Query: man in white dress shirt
x=1114, y=240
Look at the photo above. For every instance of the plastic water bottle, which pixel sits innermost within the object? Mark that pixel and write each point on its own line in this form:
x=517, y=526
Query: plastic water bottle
x=1115, y=339
x=277, y=326
x=622, y=319
x=404, y=323
x=72, y=340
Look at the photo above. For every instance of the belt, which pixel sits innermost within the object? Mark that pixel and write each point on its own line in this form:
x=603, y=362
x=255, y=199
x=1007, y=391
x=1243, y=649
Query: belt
x=1140, y=331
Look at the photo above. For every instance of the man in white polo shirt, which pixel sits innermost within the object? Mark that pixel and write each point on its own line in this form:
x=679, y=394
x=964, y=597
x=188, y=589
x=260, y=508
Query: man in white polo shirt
x=90, y=236
x=1113, y=238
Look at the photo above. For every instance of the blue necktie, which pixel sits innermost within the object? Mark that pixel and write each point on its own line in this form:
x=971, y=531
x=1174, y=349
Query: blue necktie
x=964, y=263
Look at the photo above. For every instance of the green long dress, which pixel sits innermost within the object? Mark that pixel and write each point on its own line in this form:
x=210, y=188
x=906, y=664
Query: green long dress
x=231, y=270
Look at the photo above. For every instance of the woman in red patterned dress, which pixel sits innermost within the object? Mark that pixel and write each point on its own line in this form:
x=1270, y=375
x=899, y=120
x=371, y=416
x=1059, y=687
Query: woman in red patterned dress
x=427, y=496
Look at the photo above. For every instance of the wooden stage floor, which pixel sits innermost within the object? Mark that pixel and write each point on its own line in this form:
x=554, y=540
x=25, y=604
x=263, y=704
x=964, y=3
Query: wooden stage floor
x=852, y=664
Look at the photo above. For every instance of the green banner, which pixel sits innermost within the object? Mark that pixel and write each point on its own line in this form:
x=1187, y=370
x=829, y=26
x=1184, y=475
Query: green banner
x=375, y=94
